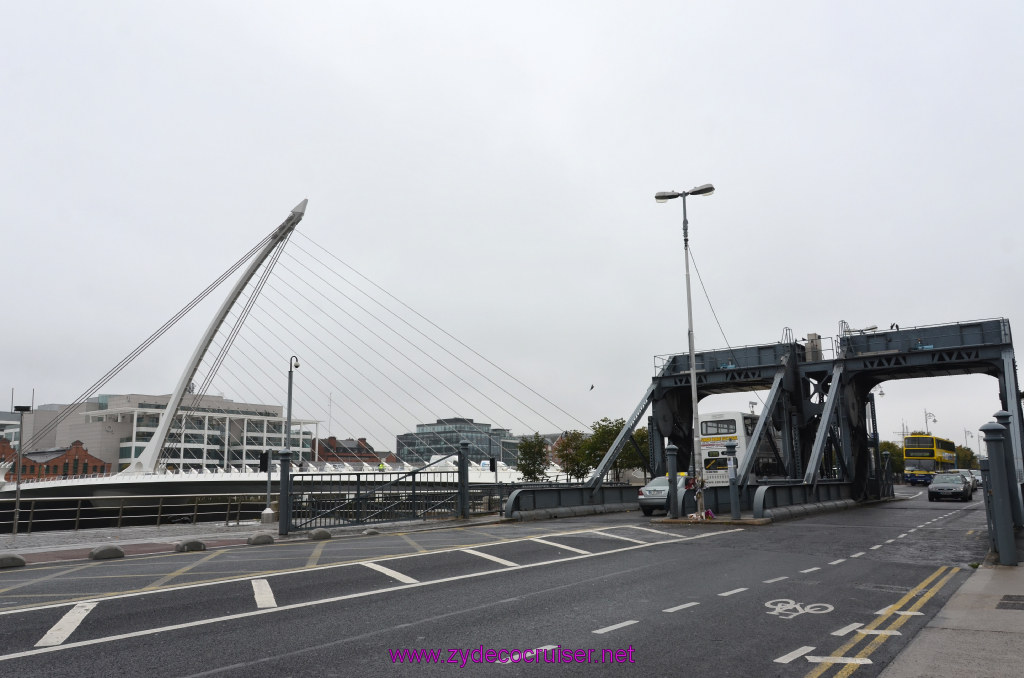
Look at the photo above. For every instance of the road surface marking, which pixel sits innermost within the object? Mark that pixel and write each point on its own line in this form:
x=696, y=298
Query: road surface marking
x=799, y=652
x=889, y=610
x=680, y=607
x=527, y=653
x=889, y=541
x=810, y=569
x=649, y=529
x=617, y=626
x=488, y=556
x=391, y=573
x=837, y=660
x=143, y=633
x=618, y=536
x=858, y=554
x=729, y=593
x=876, y=641
x=772, y=581
x=561, y=546
x=846, y=629
x=876, y=546
x=902, y=536
x=264, y=594
x=877, y=632
x=314, y=557
x=836, y=562
x=66, y=626
x=177, y=573
x=409, y=540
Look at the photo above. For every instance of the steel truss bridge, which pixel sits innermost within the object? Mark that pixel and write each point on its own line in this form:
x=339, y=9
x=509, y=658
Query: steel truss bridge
x=821, y=408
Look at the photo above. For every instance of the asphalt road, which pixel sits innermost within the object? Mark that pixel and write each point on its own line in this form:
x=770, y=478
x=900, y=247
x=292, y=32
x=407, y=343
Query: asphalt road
x=831, y=594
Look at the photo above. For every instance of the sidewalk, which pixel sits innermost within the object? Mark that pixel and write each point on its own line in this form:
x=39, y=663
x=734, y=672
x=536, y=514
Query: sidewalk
x=979, y=632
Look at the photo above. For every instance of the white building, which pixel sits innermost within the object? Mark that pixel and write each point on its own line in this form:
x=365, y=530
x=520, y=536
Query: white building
x=215, y=432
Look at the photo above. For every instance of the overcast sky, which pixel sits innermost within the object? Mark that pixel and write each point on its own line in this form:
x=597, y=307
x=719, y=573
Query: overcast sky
x=494, y=166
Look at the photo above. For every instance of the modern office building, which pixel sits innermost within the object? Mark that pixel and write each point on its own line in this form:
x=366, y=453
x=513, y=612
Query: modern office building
x=212, y=432
x=444, y=436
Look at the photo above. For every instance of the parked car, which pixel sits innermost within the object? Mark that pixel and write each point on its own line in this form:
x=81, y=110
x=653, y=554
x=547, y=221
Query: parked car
x=966, y=473
x=977, y=476
x=654, y=495
x=949, y=486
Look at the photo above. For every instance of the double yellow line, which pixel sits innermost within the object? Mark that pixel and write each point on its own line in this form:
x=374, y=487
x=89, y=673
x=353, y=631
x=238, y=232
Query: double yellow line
x=874, y=641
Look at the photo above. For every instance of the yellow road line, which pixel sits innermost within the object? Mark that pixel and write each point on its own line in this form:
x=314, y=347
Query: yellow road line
x=878, y=621
x=180, y=571
x=412, y=543
x=314, y=557
x=877, y=641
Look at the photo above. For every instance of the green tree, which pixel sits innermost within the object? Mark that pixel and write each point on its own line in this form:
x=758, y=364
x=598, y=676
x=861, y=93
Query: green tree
x=965, y=458
x=571, y=456
x=630, y=458
x=896, y=458
x=533, y=457
x=600, y=441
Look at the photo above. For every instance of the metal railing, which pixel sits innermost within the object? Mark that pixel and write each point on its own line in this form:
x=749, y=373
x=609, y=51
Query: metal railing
x=84, y=512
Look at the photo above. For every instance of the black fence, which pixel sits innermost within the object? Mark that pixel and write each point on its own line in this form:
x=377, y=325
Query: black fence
x=37, y=514
x=336, y=499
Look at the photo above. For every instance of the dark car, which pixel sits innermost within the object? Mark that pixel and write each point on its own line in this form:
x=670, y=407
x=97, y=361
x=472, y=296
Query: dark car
x=949, y=486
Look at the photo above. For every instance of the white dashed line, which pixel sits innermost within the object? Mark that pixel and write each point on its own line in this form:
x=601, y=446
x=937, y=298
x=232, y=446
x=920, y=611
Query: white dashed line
x=66, y=626
x=836, y=562
x=913, y=530
x=879, y=632
x=889, y=541
x=904, y=613
x=799, y=652
x=846, y=629
x=680, y=607
x=810, y=569
x=391, y=573
x=729, y=593
x=488, y=556
x=560, y=546
x=876, y=546
x=902, y=536
x=617, y=626
x=858, y=554
x=837, y=660
x=772, y=581
x=264, y=594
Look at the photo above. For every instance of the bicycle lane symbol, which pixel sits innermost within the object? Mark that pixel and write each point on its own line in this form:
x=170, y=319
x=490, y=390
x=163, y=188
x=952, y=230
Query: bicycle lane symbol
x=787, y=608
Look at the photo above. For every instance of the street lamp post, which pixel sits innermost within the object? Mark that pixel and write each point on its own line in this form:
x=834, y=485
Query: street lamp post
x=967, y=434
x=698, y=461
x=283, y=491
x=929, y=417
x=19, y=460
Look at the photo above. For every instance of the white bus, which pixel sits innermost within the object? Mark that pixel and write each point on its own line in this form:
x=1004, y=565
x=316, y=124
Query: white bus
x=719, y=428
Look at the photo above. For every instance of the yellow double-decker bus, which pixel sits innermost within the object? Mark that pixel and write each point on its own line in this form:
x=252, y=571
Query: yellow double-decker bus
x=924, y=456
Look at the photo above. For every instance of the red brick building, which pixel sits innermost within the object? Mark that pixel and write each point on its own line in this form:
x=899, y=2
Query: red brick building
x=344, y=451
x=60, y=462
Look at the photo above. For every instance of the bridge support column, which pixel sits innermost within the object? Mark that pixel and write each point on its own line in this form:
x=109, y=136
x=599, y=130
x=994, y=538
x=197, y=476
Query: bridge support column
x=284, y=500
x=1010, y=465
x=999, y=491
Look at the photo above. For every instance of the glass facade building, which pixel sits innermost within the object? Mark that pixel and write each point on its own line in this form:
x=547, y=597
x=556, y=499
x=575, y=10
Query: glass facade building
x=444, y=436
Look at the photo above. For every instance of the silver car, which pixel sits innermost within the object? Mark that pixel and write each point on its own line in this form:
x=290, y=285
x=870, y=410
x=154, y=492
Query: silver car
x=654, y=495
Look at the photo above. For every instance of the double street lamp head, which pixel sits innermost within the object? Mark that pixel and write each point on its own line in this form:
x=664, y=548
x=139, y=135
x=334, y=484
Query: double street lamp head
x=703, y=189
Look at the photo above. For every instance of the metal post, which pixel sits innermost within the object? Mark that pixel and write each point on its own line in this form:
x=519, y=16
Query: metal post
x=19, y=459
x=1002, y=518
x=1016, y=509
x=673, y=490
x=698, y=461
x=734, y=490
x=986, y=482
x=462, y=508
x=284, y=493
